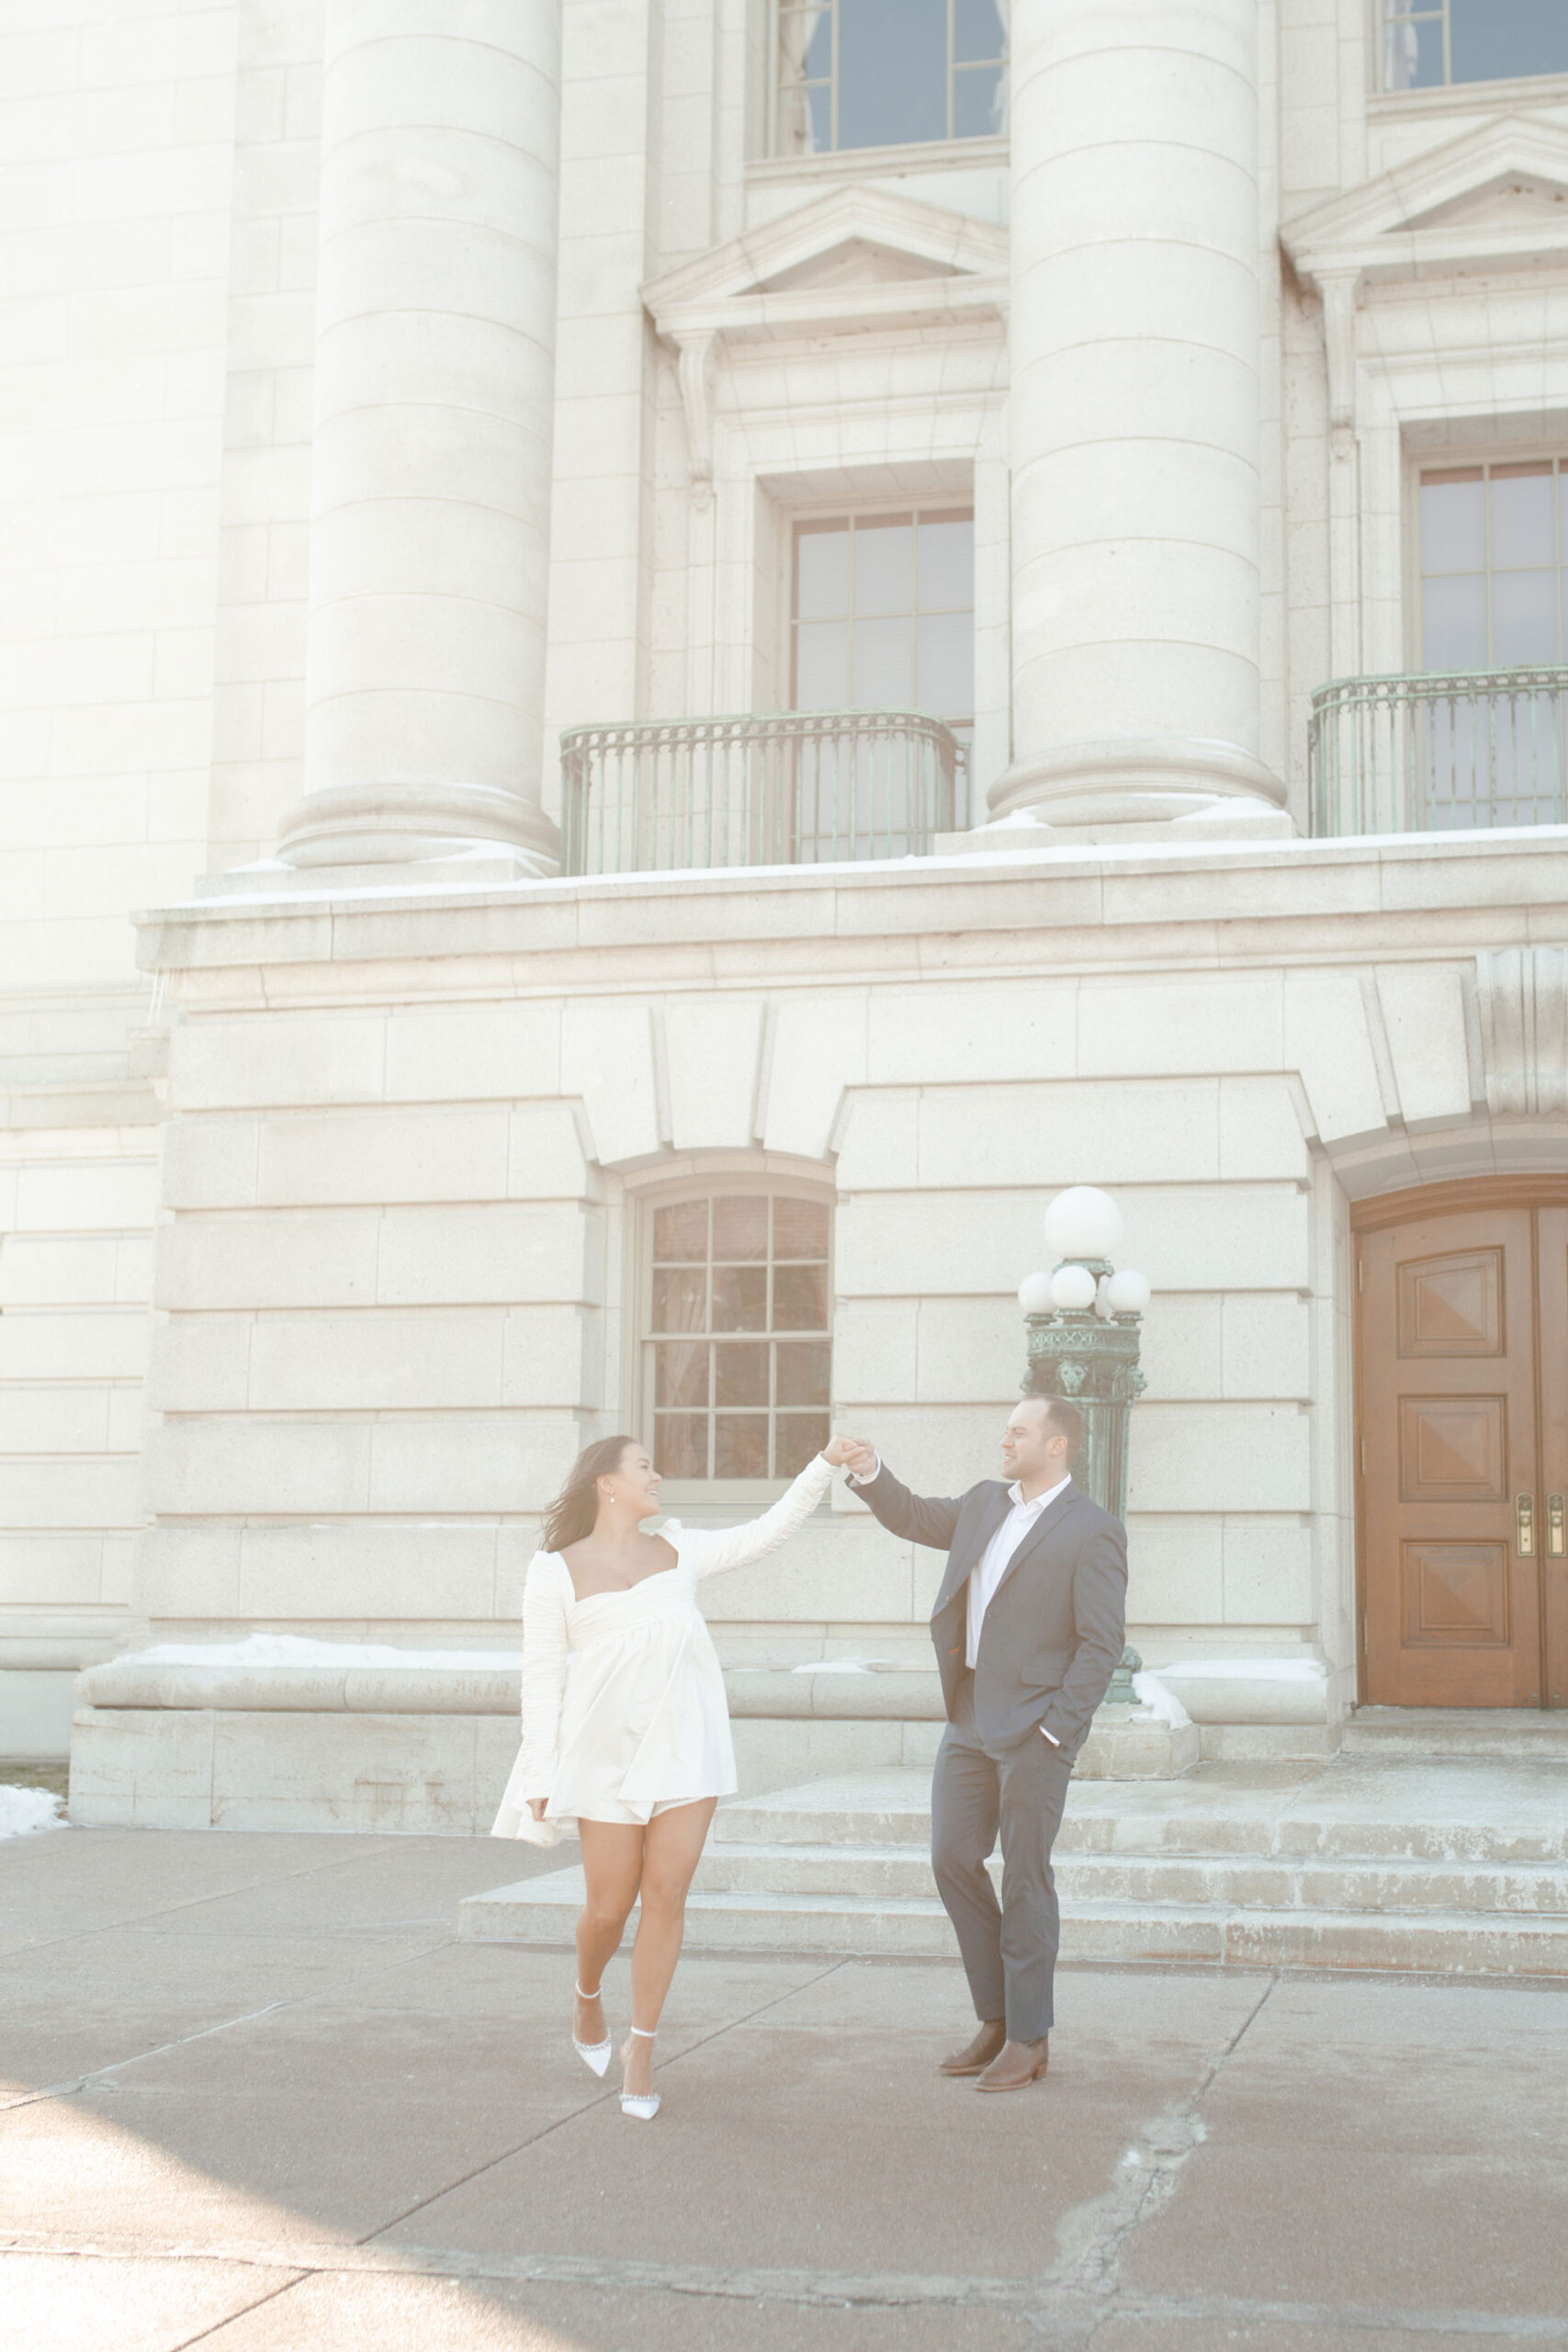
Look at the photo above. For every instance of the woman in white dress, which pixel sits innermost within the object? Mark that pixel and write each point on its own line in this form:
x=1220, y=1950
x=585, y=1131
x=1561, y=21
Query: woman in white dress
x=625, y=1727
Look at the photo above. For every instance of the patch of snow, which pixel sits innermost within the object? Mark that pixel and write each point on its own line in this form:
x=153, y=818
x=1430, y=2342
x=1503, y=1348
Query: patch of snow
x=845, y=1666
x=302, y=1649
x=24, y=1812
x=1151, y=1692
x=1248, y=1669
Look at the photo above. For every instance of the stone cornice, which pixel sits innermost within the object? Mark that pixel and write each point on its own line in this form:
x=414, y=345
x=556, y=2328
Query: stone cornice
x=1085, y=910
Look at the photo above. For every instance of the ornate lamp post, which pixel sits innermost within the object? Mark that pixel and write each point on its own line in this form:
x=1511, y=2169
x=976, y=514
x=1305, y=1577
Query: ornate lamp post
x=1083, y=1321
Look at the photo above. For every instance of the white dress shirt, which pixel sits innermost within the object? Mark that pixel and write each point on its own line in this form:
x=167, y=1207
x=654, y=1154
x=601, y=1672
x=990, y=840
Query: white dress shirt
x=984, y=1578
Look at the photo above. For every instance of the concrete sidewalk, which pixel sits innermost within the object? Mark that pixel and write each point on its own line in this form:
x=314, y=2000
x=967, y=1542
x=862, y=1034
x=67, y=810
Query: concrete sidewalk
x=258, y=2097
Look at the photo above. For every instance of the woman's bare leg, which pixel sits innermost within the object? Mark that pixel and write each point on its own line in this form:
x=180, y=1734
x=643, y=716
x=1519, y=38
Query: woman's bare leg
x=612, y=1865
x=672, y=1847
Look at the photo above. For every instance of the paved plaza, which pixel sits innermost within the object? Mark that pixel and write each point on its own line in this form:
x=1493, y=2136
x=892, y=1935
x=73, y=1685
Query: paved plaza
x=258, y=2097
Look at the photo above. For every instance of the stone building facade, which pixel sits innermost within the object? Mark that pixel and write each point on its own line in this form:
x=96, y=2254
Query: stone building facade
x=425, y=424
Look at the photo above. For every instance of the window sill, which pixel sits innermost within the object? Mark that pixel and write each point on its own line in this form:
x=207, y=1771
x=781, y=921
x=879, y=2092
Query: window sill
x=876, y=163
x=1470, y=98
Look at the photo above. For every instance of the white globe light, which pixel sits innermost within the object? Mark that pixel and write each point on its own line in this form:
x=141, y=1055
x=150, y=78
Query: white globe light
x=1127, y=1293
x=1083, y=1222
x=1103, y=1299
x=1034, y=1293
x=1073, y=1287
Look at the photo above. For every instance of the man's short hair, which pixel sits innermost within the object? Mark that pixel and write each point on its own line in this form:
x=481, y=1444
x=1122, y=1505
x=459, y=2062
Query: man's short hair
x=1066, y=1421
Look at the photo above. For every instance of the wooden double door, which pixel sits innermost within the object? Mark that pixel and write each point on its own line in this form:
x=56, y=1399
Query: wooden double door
x=1462, y=1446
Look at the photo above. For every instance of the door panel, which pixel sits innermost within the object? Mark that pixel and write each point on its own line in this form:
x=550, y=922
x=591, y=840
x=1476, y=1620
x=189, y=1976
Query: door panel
x=1448, y=1421
x=1552, y=1246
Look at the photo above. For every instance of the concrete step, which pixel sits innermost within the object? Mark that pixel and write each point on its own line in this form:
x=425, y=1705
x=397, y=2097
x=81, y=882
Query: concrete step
x=1373, y=1860
x=1529, y=1734
x=543, y=1911
x=1474, y=1813
x=902, y=1872
x=863, y=1809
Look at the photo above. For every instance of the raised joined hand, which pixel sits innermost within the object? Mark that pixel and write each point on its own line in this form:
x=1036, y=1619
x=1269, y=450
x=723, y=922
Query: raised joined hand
x=851, y=1453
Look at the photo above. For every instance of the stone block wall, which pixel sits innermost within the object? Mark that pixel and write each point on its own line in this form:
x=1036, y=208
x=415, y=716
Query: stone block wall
x=77, y=1206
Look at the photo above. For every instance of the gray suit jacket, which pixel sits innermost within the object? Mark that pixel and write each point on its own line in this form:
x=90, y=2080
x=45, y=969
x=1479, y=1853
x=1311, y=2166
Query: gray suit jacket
x=1057, y=1624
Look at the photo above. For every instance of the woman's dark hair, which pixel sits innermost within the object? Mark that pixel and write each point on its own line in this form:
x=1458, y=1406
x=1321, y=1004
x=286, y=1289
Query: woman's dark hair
x=571, y=1515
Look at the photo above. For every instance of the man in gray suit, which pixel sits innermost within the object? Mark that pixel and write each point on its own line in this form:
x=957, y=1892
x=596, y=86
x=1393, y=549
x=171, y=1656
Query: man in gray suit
x=1028, y=1626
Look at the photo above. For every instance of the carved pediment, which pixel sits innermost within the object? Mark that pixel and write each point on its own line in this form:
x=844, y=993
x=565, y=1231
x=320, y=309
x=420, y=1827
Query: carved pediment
x=1513, y=201
x=859, y=261
x=1494, y=198
x=850, y=253
x=850, y=261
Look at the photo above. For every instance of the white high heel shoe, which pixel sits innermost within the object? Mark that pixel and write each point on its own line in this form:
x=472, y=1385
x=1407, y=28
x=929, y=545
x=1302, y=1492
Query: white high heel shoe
x=593, y=2053
x=643, y=2105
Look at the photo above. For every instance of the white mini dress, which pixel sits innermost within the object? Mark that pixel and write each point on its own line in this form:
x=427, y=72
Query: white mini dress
x=624, y=1710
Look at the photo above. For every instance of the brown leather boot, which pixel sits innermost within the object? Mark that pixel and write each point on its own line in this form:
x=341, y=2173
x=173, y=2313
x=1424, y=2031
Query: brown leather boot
x=978, y=2055
x=1016, y=2065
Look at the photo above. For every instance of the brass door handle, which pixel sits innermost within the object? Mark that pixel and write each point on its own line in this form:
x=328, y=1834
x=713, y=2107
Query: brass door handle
x=1556, y=1534
x=1524, y=1526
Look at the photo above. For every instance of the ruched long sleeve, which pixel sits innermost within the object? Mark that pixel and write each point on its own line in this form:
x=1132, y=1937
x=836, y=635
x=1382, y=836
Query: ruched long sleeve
x=544, y=1672
x=712, y=1549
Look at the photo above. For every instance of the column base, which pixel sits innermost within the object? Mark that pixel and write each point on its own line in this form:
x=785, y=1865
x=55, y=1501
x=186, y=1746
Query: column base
x=1023, y=835
x=1095, y=789
x=354, y=827
x=483, y=865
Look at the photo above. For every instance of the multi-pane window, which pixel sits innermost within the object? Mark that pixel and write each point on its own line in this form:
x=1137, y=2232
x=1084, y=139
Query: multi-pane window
x=1429, y=43
x=1494, y=543
x=882, y=615
x=889, y=73
x=737, y=1335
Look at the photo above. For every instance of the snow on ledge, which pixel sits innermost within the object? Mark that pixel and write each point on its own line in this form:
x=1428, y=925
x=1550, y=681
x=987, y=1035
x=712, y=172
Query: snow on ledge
x=1150, y=1692
x=302, y=1649
x=1246, y=1670
x=24, y=1812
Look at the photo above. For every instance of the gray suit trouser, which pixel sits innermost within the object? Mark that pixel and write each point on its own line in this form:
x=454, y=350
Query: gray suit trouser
x=1009, y=1948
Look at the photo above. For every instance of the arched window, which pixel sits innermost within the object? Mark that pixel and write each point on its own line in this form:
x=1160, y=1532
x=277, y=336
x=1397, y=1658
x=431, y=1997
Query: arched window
x=737, y=1356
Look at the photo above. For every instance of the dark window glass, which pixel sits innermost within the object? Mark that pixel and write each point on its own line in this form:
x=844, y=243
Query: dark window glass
x=889, y=74
x=1493, y=565
x=679, y=1298
x=800, y=1230
x=805, y=1369
x=728, y=1407
x=800, y=1298
x=739, y=1298
x=682, y=1374
x=740, y=1445
x=884, y=619
x=892, y=72
x=740, y=1226
x=800, y=1435
x=681, y=1233
x=1429, y=43
x=1494, y=600
x=680, y=1445
x=741, y=1374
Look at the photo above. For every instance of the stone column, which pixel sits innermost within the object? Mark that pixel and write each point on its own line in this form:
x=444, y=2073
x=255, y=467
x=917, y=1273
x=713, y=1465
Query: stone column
x=1134, y=415
x=434, y=390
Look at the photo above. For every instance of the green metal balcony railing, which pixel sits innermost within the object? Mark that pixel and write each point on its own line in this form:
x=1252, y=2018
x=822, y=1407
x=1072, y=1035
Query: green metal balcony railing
x=1453, y=752
x=790, y=788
